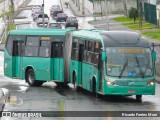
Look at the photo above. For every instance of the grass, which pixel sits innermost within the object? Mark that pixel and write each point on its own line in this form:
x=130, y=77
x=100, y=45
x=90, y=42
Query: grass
x=91, y=21
x=123, y=19
x=147, y=30
x=13, y=26
x=135, y=26
x=154, y=34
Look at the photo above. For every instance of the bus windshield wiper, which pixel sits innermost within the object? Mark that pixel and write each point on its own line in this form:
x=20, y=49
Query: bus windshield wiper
x=124, y=67
x=137, y=61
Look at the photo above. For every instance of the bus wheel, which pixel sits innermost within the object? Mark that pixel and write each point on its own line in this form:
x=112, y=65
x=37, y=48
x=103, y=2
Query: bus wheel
x=139, y=98
x=30, y=79
x=61, y=84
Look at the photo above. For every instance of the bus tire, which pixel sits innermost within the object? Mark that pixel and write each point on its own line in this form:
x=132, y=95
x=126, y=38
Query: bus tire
x=31, y=80
x=139, y=98
x=61, y=84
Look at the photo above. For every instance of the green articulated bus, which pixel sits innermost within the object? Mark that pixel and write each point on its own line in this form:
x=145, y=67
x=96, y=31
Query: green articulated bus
x=35, y=55
x=110, y=62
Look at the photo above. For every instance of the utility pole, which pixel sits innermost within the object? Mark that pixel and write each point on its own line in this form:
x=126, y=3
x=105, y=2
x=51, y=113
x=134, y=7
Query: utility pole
x=139, y=14
x=43, y=12
x=106, y=6
x=83, y=8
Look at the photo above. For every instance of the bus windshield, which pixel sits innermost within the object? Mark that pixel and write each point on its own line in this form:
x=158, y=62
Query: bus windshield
x=129, y=62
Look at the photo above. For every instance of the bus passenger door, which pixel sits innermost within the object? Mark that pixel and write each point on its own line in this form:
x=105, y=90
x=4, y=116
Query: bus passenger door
x=17, y=58
x=81, y=50
x=58, y=61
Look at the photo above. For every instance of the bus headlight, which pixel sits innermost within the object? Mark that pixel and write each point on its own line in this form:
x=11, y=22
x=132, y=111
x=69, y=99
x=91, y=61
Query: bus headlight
x=150, y=83
x=109, y=82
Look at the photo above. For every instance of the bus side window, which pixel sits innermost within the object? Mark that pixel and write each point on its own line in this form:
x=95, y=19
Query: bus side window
x=91, y=46
x=9, y=44
x=95, y=58
x=32, y=46
x=75, y=46
x=89, y=57
x=86, y=45
x=98, y=47
x=85, y=56
x=44, y=50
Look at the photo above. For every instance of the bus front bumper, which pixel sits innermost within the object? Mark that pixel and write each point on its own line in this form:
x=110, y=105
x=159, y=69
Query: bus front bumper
x=127, y=90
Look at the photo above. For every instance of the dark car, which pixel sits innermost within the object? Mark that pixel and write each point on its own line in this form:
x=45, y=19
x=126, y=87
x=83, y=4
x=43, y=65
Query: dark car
x=71, y=22
x=61, y=17
x=54, y=26
x=55, y=10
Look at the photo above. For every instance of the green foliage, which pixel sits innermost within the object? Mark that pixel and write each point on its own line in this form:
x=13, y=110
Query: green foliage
x=133, y=13
x=12, y=27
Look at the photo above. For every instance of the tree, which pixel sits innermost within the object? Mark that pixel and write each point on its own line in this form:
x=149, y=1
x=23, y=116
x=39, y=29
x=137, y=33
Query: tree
x=133, y=13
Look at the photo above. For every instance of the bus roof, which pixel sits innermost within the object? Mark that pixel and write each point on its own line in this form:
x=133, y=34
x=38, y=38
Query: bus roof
x=94, y=34
x=124, y=39
x=39, y=31
x=114, y=38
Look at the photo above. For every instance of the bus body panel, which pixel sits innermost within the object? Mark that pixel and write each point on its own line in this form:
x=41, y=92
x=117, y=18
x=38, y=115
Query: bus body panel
x=76, y=66
x=86, y=75
x=132, y=86
x=120, y=90
x=8, y=64
x=17, y=65
x=58, y=69
x=41, y=67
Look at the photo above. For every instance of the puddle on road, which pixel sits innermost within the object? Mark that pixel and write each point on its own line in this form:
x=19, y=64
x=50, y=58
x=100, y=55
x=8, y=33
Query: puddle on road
x=23, y=89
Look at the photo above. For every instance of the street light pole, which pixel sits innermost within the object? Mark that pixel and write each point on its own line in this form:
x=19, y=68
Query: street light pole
x=106, y=6
x=43, y=12
x=83, y=9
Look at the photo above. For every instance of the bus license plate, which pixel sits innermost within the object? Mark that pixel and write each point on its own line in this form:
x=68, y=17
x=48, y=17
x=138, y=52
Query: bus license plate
x=131, y=91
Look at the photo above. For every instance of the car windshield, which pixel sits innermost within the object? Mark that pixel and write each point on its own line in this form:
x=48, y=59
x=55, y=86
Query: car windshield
x=129, y=62
x=62, y=15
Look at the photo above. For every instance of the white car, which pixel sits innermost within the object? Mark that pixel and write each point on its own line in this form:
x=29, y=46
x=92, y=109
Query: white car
x=36, y=8
x=39, y=19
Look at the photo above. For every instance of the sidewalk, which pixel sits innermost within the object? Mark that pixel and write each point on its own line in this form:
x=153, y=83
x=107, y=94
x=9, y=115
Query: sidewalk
x=77, y=11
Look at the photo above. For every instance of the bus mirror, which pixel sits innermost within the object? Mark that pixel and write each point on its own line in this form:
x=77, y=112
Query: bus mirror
x=154, y=56
x=104, y=56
